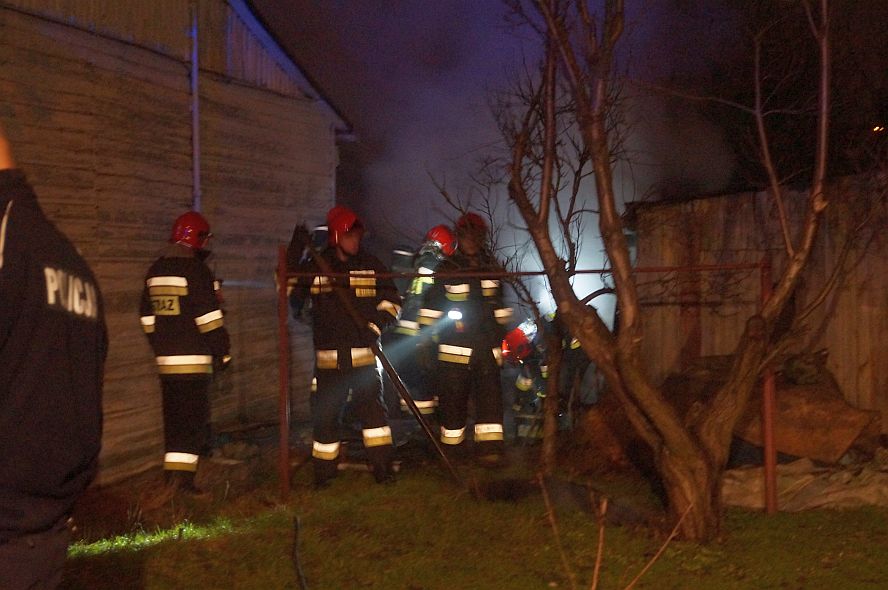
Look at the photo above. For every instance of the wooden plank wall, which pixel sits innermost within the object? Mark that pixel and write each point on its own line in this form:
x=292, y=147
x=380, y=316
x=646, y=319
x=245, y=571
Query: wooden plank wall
x=241, y=56
x=853, y=324
x=109, y=163
x=227, y=45
x=267, y=164
x=103, y=129
x=713, y=307
x=157, y=24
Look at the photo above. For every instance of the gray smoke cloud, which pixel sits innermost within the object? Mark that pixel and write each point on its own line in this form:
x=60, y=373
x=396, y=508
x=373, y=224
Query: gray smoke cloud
x=415, y=76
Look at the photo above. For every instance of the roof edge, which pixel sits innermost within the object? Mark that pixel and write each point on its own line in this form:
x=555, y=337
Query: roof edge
x=264, y=33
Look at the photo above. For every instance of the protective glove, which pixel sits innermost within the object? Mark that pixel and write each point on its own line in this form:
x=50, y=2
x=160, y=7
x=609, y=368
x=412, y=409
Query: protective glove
x=221, y=363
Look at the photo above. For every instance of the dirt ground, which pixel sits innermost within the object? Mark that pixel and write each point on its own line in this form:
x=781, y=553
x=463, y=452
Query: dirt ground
x=242, y=463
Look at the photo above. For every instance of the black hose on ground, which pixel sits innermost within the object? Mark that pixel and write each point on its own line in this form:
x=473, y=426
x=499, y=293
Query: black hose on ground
x=297, y=564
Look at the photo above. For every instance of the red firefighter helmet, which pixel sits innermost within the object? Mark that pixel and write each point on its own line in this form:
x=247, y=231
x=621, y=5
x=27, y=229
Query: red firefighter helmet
x=443, y=237
x=341, y=220
x=471, y=222
x=516, y=345
x=191, y=229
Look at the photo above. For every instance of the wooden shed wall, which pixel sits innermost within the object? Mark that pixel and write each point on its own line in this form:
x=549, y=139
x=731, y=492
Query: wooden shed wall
x=156, y=24
x=688, y=315
x=267, y=163
x=227, y=44
x=103, y=130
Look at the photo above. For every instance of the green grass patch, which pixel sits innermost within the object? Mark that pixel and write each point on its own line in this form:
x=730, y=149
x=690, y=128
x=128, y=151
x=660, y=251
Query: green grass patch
x=425, y=533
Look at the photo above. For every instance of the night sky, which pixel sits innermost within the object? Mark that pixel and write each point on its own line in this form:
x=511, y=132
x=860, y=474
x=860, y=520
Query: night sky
x=410, y=77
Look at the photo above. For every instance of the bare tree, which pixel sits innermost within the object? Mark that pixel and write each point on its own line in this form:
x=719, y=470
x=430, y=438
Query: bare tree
x=579, y=42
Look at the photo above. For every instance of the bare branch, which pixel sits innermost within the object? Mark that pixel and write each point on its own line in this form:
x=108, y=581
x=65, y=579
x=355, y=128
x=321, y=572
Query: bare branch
x=549, y=154
x=599, y=552
x=764, y=145
x=550, y=515
x=659, y=552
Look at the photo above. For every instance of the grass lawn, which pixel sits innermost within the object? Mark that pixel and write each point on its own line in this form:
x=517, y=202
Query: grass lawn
x=426, y=533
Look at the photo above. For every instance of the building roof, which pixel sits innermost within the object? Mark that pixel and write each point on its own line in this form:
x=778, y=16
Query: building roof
x=266, y=35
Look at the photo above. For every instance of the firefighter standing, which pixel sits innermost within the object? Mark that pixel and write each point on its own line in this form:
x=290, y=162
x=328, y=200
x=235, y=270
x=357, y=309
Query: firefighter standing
x=413, y=356
x=181, y=315
x=346, y=369
x=467, y=318
x=53, y=344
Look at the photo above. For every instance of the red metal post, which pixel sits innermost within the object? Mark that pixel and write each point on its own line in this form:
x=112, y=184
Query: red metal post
x=768, y=400
x=283, y=375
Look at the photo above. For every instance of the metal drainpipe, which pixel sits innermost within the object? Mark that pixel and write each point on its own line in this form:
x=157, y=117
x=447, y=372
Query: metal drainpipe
x=195, y=113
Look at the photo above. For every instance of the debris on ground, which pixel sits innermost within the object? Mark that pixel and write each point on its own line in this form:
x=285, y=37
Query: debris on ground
x=805, y=485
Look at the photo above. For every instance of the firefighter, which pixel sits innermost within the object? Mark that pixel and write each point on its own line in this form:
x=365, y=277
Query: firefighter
x=346, y=369
x=468, y=319
x=53, y=344
x=523, y=351
x=412, y=356
x=579, y=382
x=182, y=317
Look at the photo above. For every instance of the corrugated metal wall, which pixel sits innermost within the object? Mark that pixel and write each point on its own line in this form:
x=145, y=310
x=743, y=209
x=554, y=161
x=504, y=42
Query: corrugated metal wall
x=687, y=315
x=103, y=129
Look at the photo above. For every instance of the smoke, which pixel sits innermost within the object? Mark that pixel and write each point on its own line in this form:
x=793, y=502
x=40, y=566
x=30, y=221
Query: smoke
x=414, y=77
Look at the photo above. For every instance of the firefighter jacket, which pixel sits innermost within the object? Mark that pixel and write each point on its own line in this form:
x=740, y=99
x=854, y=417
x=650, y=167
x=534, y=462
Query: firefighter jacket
x=339, y=340
x=425, y=264
x=466, y=314
x=52, y=353
x=181, y=315
x=530, y=383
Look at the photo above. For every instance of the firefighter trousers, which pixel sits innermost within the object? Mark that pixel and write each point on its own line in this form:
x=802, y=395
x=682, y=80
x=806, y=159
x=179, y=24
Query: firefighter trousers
x=412, y=362
x=186, y=422
x=358, y=391
x=458, y=385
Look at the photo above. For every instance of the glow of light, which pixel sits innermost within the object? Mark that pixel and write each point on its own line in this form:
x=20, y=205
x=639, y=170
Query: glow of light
x=878, y=129
x=454, y=314
x=136, y=541
x=529, y=328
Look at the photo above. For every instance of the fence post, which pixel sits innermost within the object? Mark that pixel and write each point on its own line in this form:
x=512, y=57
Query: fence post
x=768, y=400
x=283, y=375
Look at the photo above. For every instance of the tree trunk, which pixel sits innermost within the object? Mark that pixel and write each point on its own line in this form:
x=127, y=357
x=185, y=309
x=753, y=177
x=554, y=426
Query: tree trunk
x=551, y=404
x=693, y=497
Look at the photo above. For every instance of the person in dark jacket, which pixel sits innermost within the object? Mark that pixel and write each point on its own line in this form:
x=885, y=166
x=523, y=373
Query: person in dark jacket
x=346, y=368
x=53, y=344
x=466, y=314
x=183, y=319
x=411, y=353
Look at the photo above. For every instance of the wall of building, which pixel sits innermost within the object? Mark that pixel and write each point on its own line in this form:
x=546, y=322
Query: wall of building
x=688, y=315
x=97, y=104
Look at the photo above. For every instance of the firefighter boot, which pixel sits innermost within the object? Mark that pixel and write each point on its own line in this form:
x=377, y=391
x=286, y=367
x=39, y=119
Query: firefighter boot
x=457, y=454
x=324, y=472
x=381, y=464
x=182, y=484
x=384, y=473
x=490, y=455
